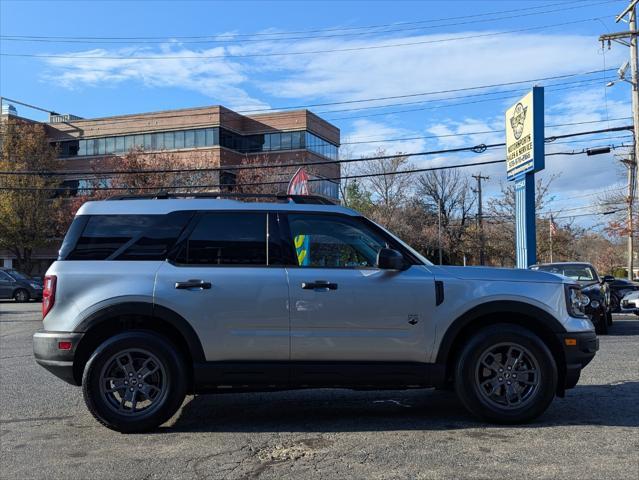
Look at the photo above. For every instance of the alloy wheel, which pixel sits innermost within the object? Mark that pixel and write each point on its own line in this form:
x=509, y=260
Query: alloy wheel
x=507, y=376
x=133, y=382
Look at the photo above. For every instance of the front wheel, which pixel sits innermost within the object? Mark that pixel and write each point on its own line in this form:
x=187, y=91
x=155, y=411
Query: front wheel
x=134, y=382
x=506, y=374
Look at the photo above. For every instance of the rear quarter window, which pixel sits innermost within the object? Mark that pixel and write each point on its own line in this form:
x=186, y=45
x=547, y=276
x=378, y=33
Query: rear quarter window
x=123, y=237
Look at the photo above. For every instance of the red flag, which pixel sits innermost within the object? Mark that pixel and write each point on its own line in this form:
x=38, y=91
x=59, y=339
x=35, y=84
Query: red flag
x=299, y=183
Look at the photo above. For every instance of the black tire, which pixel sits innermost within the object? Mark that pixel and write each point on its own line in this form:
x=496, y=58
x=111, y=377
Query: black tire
x=467, y=372
x=171, y=370
x=21, y=295
x=615, y=303
x=601, y=323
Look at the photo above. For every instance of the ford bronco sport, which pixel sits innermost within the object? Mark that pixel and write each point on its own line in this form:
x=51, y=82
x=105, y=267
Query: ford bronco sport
x=152, y=299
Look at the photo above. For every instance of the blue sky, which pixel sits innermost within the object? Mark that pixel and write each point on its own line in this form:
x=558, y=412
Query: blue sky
x=244, y=73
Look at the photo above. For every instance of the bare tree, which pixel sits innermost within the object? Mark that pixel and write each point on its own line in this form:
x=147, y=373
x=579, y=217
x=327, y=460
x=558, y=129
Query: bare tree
x=447, y=195
x=389, y=189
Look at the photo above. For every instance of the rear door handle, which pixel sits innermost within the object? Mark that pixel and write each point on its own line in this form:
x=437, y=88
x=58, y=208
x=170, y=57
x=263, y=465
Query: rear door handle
x=193, y=284
x=319, y=284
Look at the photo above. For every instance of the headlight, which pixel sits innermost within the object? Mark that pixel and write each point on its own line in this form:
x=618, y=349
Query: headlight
x=576, y=301
x=35, y=286
x=594, y=304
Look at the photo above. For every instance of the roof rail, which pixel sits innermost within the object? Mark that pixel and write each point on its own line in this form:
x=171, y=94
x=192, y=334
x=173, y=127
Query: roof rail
x=280, y=197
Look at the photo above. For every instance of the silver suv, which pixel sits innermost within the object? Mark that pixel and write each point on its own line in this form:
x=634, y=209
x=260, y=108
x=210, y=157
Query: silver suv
x=152, y=299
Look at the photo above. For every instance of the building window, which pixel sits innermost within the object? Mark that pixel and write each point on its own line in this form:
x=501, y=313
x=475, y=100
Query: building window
x=275, y=141
x=212, y=136
x=296, y=140
x=286, y=141
x=203, y=137
x=110, y=145
x=179, y=139
x=119, y=144
x=200, y=138
x=128, y=143
x=169, y=140
x=189, y=139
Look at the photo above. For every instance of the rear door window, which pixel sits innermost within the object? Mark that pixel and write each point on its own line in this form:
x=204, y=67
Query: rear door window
x=226, y=238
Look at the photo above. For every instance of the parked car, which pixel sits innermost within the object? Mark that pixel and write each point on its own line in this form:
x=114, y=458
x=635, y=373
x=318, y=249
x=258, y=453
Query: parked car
x=595, y=287
x=630, y=303
x=19, y=286
x=619, y=288
x=151, y=299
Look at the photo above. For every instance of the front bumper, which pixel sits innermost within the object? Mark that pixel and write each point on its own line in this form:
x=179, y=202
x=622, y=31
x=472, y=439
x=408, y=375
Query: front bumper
x=579, y=349
x=48, y=354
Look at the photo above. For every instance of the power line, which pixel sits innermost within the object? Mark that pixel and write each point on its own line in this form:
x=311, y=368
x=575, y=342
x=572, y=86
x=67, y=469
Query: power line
x=230, y=38
x=333, y=29
x=116, y=120
x=576, y=83
x=477, y=148
x=308, y=52
x=436, y=107
x=458, y=134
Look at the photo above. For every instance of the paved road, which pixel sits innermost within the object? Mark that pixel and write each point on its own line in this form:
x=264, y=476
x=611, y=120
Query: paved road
x=46, y=432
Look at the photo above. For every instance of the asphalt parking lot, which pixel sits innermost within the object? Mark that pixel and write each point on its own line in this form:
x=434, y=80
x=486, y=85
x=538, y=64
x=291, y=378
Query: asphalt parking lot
x=46, y=432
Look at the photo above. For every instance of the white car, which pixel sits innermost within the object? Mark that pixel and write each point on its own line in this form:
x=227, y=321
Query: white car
x=630, y=303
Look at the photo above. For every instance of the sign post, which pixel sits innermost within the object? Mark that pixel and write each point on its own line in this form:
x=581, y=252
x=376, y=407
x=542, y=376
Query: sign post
x=524, y=157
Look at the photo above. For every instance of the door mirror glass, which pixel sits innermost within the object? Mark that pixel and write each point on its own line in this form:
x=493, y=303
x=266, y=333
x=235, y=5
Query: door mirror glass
x=389, y=259
x=608, y=279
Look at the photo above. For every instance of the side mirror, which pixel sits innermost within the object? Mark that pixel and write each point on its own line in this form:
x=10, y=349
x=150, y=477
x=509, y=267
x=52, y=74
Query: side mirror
x=389, y=259
x=608, y=279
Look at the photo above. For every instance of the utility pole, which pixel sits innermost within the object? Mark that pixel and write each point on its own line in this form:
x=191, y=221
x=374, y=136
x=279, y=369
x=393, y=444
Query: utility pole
x=480, y=217
x=628, y=39
x=631, y=165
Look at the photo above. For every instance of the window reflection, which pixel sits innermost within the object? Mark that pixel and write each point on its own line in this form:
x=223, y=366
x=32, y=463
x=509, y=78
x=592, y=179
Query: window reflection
x=198, y=138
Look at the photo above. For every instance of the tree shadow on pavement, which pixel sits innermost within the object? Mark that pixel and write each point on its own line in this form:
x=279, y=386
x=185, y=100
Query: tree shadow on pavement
x=333, y=410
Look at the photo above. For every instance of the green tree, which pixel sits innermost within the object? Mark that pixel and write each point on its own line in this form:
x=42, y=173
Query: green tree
x=357, y=197
x=27, y=202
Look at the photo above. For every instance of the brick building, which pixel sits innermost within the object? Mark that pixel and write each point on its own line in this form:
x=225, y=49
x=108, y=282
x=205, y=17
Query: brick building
x=207, y=136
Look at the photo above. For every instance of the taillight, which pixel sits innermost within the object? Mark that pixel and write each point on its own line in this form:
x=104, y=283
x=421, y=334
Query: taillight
x=48, y=294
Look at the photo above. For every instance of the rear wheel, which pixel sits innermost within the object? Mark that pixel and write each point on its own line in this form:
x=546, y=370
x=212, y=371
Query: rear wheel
x=21, y=295
x=506, y=374
x=134, y=382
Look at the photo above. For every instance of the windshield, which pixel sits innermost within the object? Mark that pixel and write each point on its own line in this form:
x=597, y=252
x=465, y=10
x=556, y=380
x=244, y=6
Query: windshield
x=580, y=273
x=17, y=275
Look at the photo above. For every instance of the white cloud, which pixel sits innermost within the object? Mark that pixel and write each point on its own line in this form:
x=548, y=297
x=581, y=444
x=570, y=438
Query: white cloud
x=218, y=78
x=367, y=130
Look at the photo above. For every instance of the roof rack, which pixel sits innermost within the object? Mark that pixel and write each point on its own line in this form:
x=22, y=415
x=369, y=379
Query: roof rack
x=280, y=197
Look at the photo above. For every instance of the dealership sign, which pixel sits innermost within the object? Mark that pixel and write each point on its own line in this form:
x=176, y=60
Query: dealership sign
x=525, y=135
x=524, y=157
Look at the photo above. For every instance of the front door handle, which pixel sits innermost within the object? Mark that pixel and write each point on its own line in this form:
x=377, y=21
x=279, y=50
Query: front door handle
x=193, y=284
x=319, y=284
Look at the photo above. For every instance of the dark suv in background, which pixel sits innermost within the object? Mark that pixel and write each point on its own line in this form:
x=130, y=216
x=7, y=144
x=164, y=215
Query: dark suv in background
x=19, y=286
x=597, y=289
